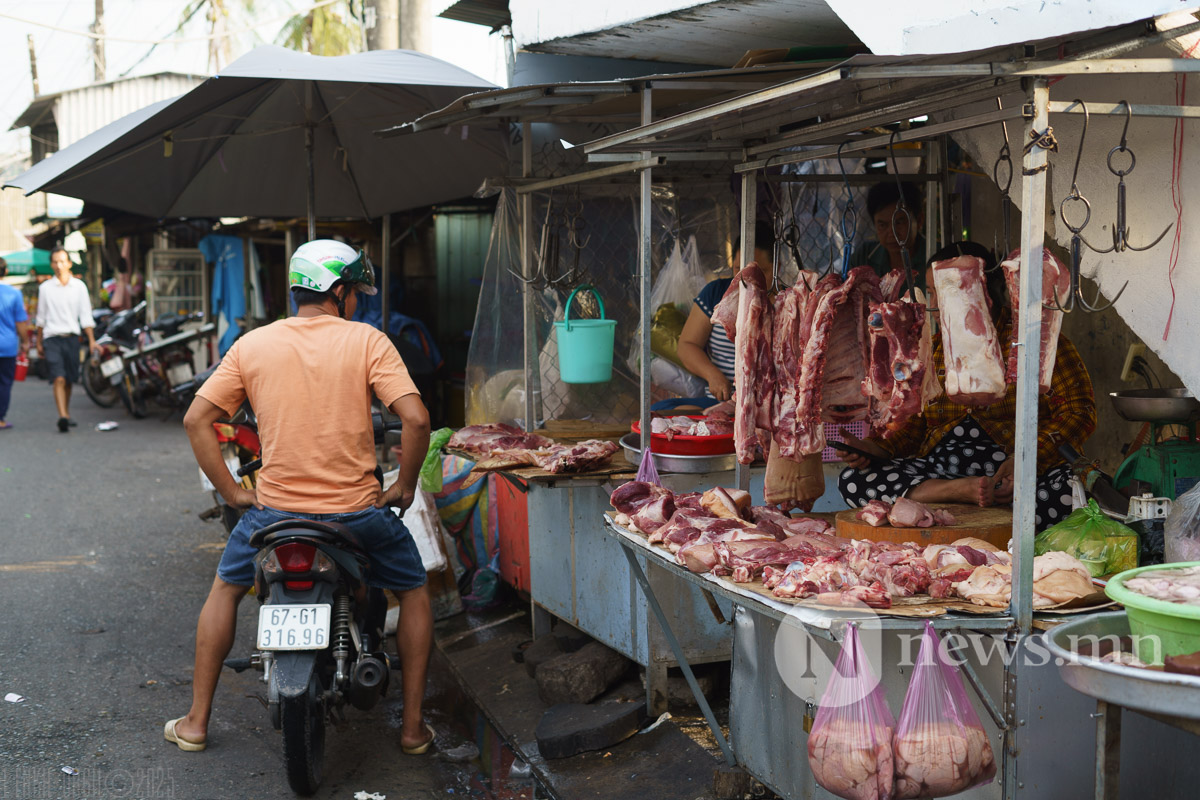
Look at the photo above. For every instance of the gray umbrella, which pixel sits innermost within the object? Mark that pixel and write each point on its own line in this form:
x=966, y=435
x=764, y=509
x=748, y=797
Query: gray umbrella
x=280, y=134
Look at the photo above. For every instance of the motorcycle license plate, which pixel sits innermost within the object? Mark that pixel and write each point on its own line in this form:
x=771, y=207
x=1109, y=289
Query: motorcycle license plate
x=112, y=366
x=293, y=627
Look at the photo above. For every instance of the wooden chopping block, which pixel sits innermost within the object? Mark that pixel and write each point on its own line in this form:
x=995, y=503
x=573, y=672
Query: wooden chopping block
x=993, y=525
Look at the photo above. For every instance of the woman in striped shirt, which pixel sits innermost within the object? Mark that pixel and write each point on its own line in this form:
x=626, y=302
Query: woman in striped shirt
x=704, y=348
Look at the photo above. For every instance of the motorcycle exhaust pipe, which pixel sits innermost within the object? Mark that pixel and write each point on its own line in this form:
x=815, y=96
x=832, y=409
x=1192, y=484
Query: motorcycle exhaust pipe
x=368, y=680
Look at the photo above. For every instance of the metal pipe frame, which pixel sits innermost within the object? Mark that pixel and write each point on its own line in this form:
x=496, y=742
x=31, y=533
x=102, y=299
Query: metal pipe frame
x=680, y=657
x=915, y=134
x=1026, y=69
x=1118, y=109
x=645, y=267
x=583, y=177
x=749, y=217
x=532, y=378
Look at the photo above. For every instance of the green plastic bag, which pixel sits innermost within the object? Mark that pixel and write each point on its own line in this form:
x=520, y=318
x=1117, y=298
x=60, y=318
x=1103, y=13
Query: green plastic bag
x=1104, y=545
x=431, y=469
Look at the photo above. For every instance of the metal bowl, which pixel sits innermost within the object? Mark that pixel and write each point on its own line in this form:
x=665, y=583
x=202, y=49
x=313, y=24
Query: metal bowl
x=632, y=444
x=1132, y=687
x=1156, y=405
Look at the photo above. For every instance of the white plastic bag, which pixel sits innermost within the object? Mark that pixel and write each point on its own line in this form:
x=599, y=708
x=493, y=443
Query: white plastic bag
x=423, y=523
x=1181, y=532
x=681, y=278
x=675, y=379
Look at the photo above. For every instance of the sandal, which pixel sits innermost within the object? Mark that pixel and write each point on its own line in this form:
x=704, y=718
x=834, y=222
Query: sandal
x=171, y=736
x=5, y=425
x=420, y=749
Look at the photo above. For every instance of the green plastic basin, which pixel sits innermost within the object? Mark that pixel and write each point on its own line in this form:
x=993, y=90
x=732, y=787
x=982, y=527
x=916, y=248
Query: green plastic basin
x=1165, y=629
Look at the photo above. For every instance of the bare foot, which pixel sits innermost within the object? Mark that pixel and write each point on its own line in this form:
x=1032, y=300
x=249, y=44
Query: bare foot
x=972, y=491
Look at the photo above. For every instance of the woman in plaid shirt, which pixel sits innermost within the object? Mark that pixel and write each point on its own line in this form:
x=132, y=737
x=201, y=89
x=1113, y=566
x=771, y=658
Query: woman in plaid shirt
x=960, y=454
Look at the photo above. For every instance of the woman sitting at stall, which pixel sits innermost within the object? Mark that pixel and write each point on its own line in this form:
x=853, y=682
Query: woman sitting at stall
x=704, y=348
x=960, y=454
x=885, y=254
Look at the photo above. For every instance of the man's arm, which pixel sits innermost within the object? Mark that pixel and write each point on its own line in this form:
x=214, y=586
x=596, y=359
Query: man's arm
x=414, y=444
x=207, y=448
x=23, y=335
x=86, y=321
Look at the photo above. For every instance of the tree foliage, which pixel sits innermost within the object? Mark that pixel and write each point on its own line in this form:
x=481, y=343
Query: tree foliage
x=323, y=31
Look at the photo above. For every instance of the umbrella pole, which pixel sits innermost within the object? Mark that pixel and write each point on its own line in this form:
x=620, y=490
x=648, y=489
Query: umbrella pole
x=312, y=194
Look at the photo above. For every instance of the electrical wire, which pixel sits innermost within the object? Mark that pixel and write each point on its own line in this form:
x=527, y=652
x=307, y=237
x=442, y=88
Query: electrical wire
x=190, y=39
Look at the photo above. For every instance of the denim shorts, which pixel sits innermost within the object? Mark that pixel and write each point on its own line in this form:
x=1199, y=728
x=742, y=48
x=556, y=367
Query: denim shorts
x=394, y=561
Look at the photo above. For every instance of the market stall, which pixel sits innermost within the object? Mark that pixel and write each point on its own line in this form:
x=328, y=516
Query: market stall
x=1041, y=732
x=576, y=573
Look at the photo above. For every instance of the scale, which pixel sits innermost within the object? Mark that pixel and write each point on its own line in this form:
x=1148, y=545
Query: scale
x=1164, y=467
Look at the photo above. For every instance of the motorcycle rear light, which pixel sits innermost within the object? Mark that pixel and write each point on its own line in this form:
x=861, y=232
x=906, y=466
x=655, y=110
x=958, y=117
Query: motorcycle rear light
x=298, y=586
x=295, y=557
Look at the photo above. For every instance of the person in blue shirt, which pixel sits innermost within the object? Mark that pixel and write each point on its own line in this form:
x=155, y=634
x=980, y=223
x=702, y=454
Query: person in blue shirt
x=704, y=348
x=884, y=254
x=14, y=340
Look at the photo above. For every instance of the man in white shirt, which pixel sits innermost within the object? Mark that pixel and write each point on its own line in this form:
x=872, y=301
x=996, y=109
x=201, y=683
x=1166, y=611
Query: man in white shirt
x=64, y=311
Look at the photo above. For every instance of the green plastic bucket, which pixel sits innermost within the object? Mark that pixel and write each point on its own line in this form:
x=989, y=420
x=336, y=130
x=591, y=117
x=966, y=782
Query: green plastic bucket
x=1165, y=629
x=585, y=346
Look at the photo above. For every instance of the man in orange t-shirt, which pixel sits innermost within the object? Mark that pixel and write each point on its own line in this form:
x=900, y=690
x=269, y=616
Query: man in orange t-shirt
x=310, y=379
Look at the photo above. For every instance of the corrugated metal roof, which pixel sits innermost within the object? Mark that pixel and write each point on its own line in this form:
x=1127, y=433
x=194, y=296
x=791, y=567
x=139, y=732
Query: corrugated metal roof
x=613, y=101
x=704, y=33
x=78, y=112
x=492, y=13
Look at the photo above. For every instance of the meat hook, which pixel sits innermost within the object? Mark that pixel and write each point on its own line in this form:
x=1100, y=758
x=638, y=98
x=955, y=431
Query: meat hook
x=1004, y=159
x=901, y=207
x=1075, y=291
x=1120, y=230
x=782, y=228
x=849, y=221
x=537, y=279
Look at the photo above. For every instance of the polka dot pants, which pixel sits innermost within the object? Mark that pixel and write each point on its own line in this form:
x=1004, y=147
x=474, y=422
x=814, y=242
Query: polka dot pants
x=966, y=452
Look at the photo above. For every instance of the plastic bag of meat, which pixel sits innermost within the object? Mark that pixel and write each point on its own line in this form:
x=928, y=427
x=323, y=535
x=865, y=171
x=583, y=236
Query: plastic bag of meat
x=850, y=747
x=941, y=747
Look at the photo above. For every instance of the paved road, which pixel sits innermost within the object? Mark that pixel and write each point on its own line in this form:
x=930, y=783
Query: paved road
x=103, y=568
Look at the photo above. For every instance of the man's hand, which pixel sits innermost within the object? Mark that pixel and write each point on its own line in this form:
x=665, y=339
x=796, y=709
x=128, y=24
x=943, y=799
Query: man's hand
x=854, y=460
x=243, y=499
x=41, y=348
x=396, y=497
x=720, y=388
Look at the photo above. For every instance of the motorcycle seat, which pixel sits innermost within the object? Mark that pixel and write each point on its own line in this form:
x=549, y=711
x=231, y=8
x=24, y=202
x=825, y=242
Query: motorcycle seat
x=331, y=532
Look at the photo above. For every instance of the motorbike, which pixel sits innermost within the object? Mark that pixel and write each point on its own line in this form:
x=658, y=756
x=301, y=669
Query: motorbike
x=143, y=362
x=320, y=635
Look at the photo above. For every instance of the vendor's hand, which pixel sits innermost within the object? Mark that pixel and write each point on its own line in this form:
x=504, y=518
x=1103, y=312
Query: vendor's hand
x=395, y=497
x=854, y=460
x=1002, y=480
x=720, y=388
x=243, y=498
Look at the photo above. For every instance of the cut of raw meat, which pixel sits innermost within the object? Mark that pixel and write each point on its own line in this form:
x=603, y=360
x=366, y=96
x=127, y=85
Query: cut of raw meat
x=873, y=595
x=699, y=555
x=754, y=374
x=874, y=513
x=578, y=457
x=942, y=516
x=647, y=506
x=853, y=761
x=792, y=483
x=786, y=348
x=907, y=513
x=895, y=374
x=1057, y=578
x=482, y=440
x=727, y=503
x=940, y=758
x=974, y=369
x=720, y=411
x=834, y=362
x=726, y=312
x=1055, y=277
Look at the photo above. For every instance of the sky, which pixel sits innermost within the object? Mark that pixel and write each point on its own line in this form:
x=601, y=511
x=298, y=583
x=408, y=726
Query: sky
x=64, y=58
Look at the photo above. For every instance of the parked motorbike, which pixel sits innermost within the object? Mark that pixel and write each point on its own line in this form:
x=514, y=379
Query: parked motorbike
x=143, y=362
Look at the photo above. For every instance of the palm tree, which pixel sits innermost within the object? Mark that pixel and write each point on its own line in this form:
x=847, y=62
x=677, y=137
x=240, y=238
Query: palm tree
x=323, y=31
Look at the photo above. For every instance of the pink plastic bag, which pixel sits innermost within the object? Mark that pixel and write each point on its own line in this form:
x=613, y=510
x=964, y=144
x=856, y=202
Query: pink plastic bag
x=850, y=747
x=941, y=747
x=647, y=471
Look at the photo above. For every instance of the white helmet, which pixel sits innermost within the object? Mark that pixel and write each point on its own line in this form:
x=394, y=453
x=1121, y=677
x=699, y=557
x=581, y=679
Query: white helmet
x=319, y=264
